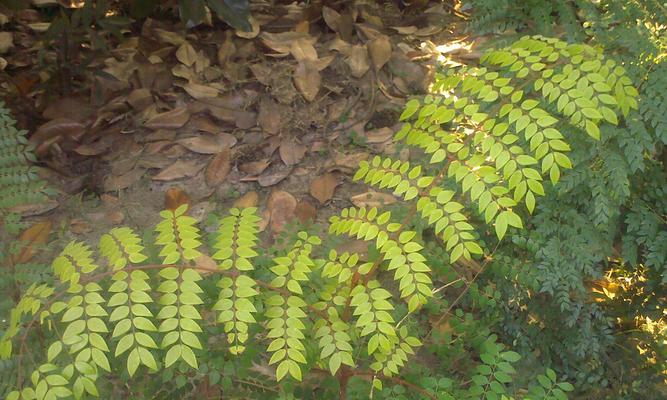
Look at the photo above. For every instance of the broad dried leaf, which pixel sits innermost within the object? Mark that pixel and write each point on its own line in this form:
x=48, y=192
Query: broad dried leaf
x=113, y=182
x=282, y=42
x=6, y=42
x=186, y=54
x=208, y=144
x=380, y=51
x=307, y=79
x=251, y=34
x=219, y=168
x=206, y=265
x=30, y=242
x=273, y=177
x=322, y=188
x=173, y=119
x=140, y=99
x=305, y=211
x=254, y=167
x=358, y=60
x=281, y=205
x=291, y=152
x=63, y=127
x=249, y=199
x=331, y=18
x=200, y=91
x=269, y=117
x=174, y=197
x=179, y=169
x=372, y=199
x=302, y=49
x=380, y=135
x=226, y=50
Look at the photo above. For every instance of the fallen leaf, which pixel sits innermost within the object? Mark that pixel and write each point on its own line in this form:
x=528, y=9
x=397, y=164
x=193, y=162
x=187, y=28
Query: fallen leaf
x=302, y=49
x=358, y=60
x=307, y=79
x=263, y=73
x=186, y=54
x=173, y=119
x=78, y=226
x=206, y=265
x=282, y=42
x=30, y=241
x=63, y=127
x=202, y=210
x=226, y=50
x=174, y=197
x=6, y=42
x=322, y=188
x=380, y=51
x=331, y=18
x=113, y=182
x=405, y=30
x=249, y=199
x=269, y=117
x=179, y=169
x=291, y=152
x=253, y=32
x=271, y=178
x=218, y=169
x=281, y=205
x=169, y=37
x=305, y=211
x=115, y=217
x=140, y=99
x=207, y=143
x=379, y=135
x=372, y=199
x=254, y=167
x=198, y=91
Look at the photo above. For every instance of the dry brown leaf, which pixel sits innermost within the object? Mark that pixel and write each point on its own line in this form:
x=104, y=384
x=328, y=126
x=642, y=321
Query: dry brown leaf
x=331, y=18
x=263, y=73
x=358, y=60
x=59, y=127
x=173, y=119
x=93, y=149
x=249, y=199
x=6, y=42
x=181, y=71
x=226, y=50
x=379, y=135
x=207, y=143
x=281, y=205
x=206, y=265
x=291, y=152
x=372, y=199
x=307, y=79
x=179, y=169
x=322, y=188
x=380, y=51
x=253, y=33
x=269, y=117
x=273, y=177
x=282, y=42
x=79, y=226
x=169, y=37
x=200, y=91
x=219, y=168
x=305, y=211
x=405, y=30
x=140, y=99
x=186, y=54
x=302, y=49
x=254, y=167
x=174, y=197
x=113, y=182
x=30, y=242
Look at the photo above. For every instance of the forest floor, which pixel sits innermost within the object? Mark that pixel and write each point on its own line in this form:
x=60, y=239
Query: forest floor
x=276, y=118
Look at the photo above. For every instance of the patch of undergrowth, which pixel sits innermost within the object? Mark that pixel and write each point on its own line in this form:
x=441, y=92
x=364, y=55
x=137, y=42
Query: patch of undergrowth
x=417, y=316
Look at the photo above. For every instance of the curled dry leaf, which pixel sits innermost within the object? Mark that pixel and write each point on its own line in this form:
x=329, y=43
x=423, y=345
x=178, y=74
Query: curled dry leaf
x=30, y=242
x=120, y=182
x=253, y=33
x=372, y=199
x=186, y=54
x=358, y=60
x=307, y=79
x=282, y=42
x=254, y=167
x=249, y=199
x=219, y=167
x=179, y=169
x=291, y=152
x=380, y=51
x=322, y=188
x=281, y=205
x=208, y=144
x=174, y=197
x=59, y=127
x=173, y=119
x=302, y=49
